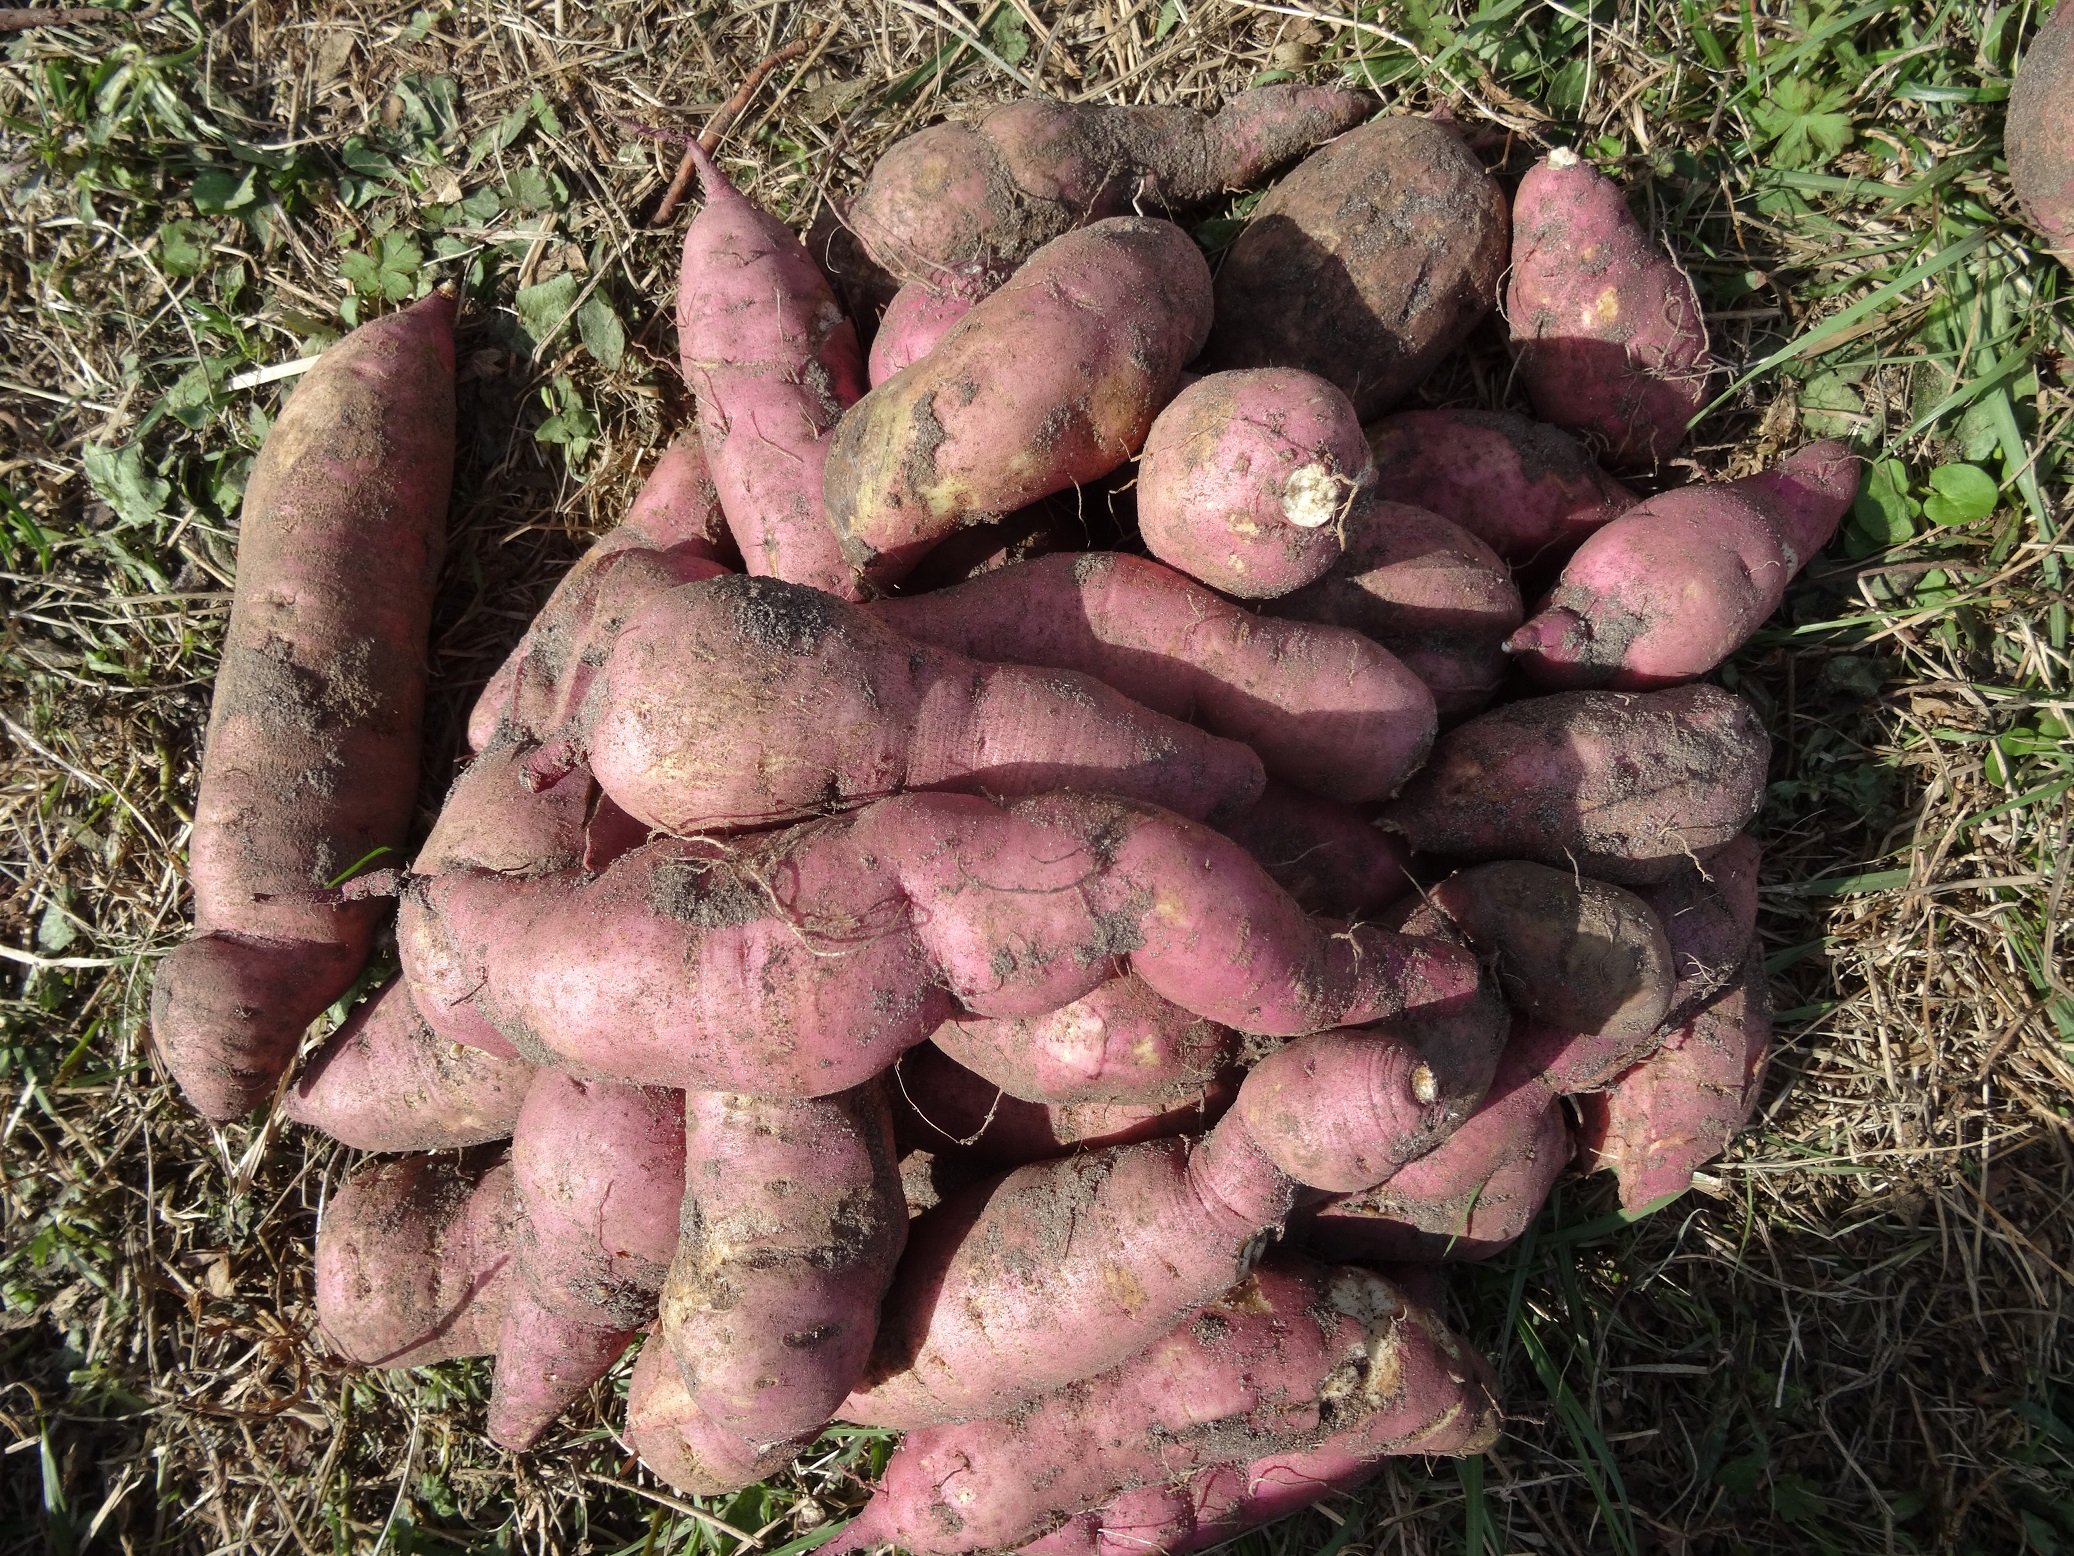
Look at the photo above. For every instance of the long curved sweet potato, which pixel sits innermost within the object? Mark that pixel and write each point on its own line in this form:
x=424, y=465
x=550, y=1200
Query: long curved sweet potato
x=311, y=764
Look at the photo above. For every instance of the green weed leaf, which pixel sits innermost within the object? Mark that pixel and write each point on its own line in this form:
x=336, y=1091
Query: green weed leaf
x=183, y=247
x=221, y=190
x=529, y=189
x=118, y=477
x=603, y=336
x=1960, y=494
x=572, y=425
x=1804, y=122
x=389, y=272
x=1883, y=514
x=543, y=309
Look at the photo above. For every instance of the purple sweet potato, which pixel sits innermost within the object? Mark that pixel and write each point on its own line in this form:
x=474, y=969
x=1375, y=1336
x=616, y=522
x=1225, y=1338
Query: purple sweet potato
x=323, y=674
x=386, y=1082
x=1622, y=786
x=1526, y=490
x=2039, y=133
x=1246, y=480
x=1328, y=710
x=1325, y=855
x=1051, y=380
x=414, y=1259
x=679, y=1443
x=1366, y=265
x=957, y=201
x=1430, y=592
x=1709, y=914
x=1672, y=587
x=793, y=1221
x=774, y=364
x=920, y=315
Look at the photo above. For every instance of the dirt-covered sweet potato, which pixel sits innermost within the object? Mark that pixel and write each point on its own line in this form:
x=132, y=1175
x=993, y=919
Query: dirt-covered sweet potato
x=1526, y=490
x=384, y=1081
x=679, y=1443
x=774, y=364
x=1051, y=380
x=793, y=1220
x=2039, y=133
x=1326, y=709
x=311, y=762
x=1679, y=1108
x=414, y=1259
x=1675, y=585
x=1246, y=480
x=1367, y=264
x=742, y=702
x=957, y=201
x=1606, y=328
x=1430, y=592
x=1326, y=855
x=1624, y=787
x=920, y=314
x=1709, y=914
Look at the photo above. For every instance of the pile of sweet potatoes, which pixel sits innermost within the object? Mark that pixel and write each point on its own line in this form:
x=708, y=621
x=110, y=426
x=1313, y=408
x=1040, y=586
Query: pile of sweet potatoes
x=1055, y=1014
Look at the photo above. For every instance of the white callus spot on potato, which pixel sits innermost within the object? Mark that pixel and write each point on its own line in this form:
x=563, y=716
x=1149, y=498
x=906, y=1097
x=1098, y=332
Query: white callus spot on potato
x=1311, y=497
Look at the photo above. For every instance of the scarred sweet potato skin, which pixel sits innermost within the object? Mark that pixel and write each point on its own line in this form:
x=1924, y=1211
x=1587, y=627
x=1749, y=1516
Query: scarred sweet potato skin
x=323, y=674
x=2039, y=134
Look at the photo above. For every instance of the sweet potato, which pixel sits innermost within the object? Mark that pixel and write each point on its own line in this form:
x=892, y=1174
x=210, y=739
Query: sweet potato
x=793, y=1220
x=1567, y=950
x=1621, y=786
x=956, y=201
x=385, y=1082
x=942, y=1107
x=1367, y=264
x=1430, y=592
x=673, y=533
x=746, y=701
x=1293, y=1357
x=1680, y=1107
x=1606, y=328
x=1526, y=490
x=1470, y=1198
x=414, y=1259
x=1061, y=1270
x=1325, y=855
x=1709, y=914
x=311, y=763
x=1326, y=709
x=774, y=364
x=1120, y=1043
x=920, y=314
x=1051, y=380
x=678, y=1442
x=1246, y=480
x=599, y=1173
x=2039, y=133
x=1671, y=588
x=801, y=963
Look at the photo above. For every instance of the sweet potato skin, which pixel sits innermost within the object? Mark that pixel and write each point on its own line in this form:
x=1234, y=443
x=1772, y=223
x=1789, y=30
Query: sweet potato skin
x=1709, y=914
x=679, y=1442
x=1672, y=587
x=323, y=672
x=919, y=316
x=1367, y=264
x=1051, y=380
x=1246, y=479
x=1325, y=855
x=386, y=1082
x=1624, y=787
x=2039, y=136
x=1526, y=490
x=1606, y=328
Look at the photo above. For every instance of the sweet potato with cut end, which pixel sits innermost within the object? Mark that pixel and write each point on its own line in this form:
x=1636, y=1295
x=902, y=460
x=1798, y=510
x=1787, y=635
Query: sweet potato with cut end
x=1120, y=1043
x=1526, y=490
x=323, y=674
x=920, y=314
x=956, y=201
x=1606, y=327
x=2039, y=133
x=1051, y=380
x=1294, y=1357
x=1674, y=586
x=599, y=1173
x=942, y=1107
x=1326, y=855
x=1568, y=950
x=1367, y=264
x=386, y=1082
x=1247, y=478
x=679, y=1443
x=1428, y=591
x=1709, y=915
x=793, y=1220
x=699, y=725
x=774, y=364
x=414, y=1259
x=1623, y=786
x=1679, y=1108
x=1326, y=709
x=1061, y=1270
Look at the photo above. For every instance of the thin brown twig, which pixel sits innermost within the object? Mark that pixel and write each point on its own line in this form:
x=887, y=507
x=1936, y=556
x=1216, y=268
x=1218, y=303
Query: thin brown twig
x=717, y=126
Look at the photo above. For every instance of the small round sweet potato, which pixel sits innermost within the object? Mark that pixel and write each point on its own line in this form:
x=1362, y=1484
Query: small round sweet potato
x=1247, y=478
x=1367, y=264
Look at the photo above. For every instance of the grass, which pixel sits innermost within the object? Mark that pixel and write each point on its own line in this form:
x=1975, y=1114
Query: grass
x=1852, y=1340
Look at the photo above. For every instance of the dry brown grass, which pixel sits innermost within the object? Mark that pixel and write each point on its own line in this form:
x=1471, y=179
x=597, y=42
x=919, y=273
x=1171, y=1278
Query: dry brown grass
x=1853, y=1341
